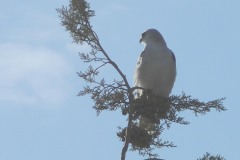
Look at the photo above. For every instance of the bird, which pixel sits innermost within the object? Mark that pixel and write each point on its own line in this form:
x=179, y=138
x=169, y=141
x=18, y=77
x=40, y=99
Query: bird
x=156, y=66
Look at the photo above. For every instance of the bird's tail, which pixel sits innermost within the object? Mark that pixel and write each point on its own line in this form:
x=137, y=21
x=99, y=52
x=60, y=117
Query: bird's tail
x=147, y=124
x=154, y=112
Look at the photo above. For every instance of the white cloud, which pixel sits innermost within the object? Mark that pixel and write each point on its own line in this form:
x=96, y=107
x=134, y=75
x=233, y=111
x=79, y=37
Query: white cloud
x=32, y=76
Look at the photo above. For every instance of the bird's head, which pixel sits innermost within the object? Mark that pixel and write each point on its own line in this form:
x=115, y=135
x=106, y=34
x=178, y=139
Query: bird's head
x=152, y=35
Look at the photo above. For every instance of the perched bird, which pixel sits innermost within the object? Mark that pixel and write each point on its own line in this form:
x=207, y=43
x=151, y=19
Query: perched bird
x=155, y=70
x=156, y=66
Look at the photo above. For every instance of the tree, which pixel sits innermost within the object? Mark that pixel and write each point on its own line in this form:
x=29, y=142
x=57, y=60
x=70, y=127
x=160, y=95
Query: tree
x=207, y=156
x=118, y=94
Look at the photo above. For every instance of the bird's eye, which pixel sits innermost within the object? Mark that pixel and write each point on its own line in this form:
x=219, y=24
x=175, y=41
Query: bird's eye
x=143, y=34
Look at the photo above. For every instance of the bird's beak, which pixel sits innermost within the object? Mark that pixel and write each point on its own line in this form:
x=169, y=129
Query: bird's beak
x=140, y=40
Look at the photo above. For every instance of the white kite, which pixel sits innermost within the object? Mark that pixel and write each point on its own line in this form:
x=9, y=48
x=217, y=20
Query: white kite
x=155, y=70
x=156, y=66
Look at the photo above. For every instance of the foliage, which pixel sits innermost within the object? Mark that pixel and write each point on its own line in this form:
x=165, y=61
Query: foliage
x=207, y=156
x=118, y=94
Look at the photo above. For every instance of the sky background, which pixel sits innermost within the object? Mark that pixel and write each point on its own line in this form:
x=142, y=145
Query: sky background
x=41, y=118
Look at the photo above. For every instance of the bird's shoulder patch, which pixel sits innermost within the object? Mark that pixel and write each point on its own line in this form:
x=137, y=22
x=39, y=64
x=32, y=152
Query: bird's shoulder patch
x=140, y=58
x=142, y=54
x=173, y=56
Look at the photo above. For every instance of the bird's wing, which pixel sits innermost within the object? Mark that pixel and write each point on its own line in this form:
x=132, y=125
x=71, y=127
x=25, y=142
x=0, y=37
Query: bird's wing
x=175, y=65
x=140, y=58
x=139, y=62
x=174, y=58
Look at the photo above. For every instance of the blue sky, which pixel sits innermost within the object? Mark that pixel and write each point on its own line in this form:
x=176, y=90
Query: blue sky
x=42, y=118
